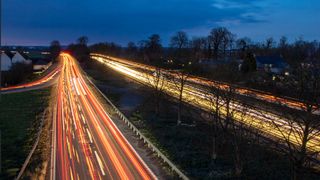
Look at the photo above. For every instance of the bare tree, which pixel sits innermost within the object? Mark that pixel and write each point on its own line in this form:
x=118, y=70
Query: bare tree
x=243, y=44
x=179, y=44
x=179, y=40
x=199, y=46
x=214, y=96
x=300, y=130
x=154, y=49
x=132, y=50
x=180, y=78
x=283, y=42
x=156, y=81
x=220, y=38
x=55, y=49
x=269, y=44
x=83, y=40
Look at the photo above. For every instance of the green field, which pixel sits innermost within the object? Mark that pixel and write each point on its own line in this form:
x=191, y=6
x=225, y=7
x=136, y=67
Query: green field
x=20, y=115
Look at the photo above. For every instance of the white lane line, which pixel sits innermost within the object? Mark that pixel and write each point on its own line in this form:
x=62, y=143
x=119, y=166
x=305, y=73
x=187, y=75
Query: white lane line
x=100, y=163
x=82, y=117
x=78, y=106
x=77, y=90
x=62, y=116
x=89, y=134
x=81, y=87
x=73, y=136
x=71, y=175
x=73, y=118
x=77, y=156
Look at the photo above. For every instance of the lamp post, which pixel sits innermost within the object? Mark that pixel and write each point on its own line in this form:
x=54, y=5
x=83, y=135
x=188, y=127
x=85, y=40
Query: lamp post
x=0, y=47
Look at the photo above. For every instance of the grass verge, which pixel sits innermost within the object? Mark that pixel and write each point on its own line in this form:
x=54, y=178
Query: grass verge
x=20, y=117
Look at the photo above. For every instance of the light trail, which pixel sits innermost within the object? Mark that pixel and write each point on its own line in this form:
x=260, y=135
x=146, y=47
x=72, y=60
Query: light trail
x=50, y=76
x=268, y=97
x=89, y=144
x=259, y=119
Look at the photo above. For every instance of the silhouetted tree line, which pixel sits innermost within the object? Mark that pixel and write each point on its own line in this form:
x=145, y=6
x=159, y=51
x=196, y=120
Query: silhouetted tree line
x=220, y=43
x=80, y=49
x=55, y=49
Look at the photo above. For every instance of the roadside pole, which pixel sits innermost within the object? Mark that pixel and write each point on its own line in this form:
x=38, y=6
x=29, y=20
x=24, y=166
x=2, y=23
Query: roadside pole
x=0, y=45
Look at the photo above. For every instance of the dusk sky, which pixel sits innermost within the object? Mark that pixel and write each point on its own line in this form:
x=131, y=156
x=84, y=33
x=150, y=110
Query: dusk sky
x=38, y=22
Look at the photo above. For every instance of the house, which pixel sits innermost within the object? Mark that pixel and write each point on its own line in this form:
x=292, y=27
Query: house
x=39, y=60
x=41, y=65
x=5, y=61
x=271, y=64
x=21, y=58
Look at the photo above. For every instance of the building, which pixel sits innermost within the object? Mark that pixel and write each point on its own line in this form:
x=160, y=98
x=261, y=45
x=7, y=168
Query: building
x=39, y=60
x=41, y=65
x=271, y=64
x=5, y=61
x=21, y=58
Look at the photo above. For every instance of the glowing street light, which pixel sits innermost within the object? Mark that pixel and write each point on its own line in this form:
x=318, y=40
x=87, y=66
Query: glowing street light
x=0, y=48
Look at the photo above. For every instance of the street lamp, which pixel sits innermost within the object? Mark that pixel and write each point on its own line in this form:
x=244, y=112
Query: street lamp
x=0, y=46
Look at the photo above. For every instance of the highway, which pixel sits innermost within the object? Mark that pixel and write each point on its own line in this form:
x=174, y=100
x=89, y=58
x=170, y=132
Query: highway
x=45, y=81
x=268, y=97
x=87, y=144
x=270, y=125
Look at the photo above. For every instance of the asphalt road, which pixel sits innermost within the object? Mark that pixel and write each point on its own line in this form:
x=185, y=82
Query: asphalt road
x=260, y=95
x=270, y=125
x=88, y=143
x=46, y=81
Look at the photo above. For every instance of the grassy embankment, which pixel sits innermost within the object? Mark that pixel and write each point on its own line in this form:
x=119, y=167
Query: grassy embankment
x=20, y=118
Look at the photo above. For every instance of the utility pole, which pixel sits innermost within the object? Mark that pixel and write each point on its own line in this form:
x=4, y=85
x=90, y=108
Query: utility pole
x=0, y=46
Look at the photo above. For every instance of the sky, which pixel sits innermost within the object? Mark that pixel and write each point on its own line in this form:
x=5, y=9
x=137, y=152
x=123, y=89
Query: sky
x=38, y=22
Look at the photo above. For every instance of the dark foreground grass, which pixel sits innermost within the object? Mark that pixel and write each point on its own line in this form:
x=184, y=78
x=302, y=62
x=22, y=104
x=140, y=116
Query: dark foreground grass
x=20, y=115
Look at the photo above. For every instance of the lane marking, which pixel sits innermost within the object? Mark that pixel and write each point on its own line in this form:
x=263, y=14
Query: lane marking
x=78, y=106
x=89, y=134
x=77, y=156
x=71, y=175
x=77, y=90
x=82, y=117
x=100, y=163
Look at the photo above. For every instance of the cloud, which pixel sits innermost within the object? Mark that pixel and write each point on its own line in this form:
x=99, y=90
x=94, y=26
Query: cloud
x=233, y=4
x=127, y=20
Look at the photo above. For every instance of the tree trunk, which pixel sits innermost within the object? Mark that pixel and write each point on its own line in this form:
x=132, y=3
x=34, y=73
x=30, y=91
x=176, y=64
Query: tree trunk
x=238, y=161
x=214, y=148
x=180, y=105
x=179, y=113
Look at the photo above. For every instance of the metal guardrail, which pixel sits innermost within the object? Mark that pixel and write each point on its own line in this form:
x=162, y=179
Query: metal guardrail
x=35, y=145
x=53, y=145
x=141, y=136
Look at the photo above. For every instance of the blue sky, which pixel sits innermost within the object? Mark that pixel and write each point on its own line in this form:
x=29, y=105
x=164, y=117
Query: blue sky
x=37, y=22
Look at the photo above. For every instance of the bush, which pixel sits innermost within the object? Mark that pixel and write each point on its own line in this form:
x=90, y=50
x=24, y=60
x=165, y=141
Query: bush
x=18, y=73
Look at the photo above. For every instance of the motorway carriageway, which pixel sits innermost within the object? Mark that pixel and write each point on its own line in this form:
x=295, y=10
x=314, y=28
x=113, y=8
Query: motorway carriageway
x=289, y=102
x=269, y=124
x=40, y=83
x=87, y=144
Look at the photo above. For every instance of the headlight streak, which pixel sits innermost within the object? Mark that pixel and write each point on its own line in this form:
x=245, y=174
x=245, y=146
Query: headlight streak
x=89, y=145
x=258, y=119
x=289, y=102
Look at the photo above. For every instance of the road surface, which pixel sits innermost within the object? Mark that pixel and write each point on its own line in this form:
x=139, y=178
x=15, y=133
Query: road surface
x=268, y=97
x=87, y=144
x=46, y=81
x=269, y=124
